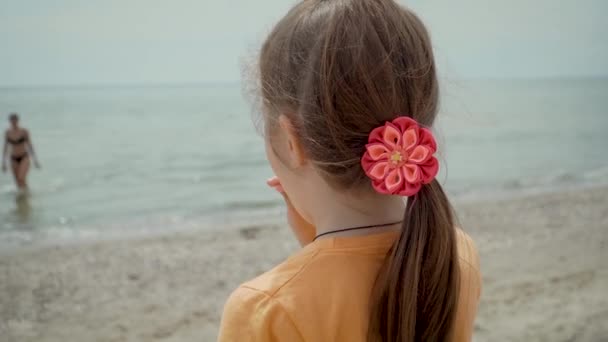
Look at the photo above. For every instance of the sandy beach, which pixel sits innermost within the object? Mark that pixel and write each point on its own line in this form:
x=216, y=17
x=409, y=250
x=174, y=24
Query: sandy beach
x=543, y=262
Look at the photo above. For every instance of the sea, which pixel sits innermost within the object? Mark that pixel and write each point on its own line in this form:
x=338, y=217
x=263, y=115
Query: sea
x=138, y=160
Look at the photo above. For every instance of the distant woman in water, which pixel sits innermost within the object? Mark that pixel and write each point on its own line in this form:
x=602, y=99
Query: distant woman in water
x=19, y=142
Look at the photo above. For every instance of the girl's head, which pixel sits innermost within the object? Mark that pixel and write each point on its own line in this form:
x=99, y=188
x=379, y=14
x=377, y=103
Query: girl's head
x=331, y=72
x=13, y=118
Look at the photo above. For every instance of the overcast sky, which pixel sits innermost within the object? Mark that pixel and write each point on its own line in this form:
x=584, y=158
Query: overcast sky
x=70, y=42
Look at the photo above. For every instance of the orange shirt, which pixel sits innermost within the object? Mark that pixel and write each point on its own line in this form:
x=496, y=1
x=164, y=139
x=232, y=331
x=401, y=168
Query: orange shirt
x=322, y=293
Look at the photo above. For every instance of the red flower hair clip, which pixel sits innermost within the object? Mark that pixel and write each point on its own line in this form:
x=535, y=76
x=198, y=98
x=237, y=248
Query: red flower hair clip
x=399, y=157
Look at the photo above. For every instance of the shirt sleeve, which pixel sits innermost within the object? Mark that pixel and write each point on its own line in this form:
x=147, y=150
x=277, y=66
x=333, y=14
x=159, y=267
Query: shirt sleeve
x=252, y=315
x=470, y=289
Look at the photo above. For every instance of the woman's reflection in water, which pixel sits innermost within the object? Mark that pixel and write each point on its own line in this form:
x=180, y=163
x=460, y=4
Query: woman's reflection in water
x=23, y=209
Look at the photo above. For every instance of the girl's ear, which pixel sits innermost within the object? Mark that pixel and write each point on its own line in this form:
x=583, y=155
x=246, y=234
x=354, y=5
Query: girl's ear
x=295, y=151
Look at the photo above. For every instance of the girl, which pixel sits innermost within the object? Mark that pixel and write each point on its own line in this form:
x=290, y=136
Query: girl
x=18, y=140
x=349, y=89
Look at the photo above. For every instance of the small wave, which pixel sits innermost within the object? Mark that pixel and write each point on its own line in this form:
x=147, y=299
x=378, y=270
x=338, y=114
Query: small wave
x=513, y=184
x=7, y=189
x=231, y=163
x=513, y=188
x=599, y=174
x=558, y=178
x=50, y=187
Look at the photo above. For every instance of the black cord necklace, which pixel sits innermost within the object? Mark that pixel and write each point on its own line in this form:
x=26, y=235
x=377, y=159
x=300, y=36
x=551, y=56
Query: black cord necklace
x=356, y=228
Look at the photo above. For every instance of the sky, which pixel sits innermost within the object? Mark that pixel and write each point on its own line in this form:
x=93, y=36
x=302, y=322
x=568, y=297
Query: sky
x=70, y=42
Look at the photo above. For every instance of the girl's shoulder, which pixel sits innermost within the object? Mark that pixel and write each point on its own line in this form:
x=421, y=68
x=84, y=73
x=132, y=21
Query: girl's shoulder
x=470, y=286
x=470, y=269
x=261, y=298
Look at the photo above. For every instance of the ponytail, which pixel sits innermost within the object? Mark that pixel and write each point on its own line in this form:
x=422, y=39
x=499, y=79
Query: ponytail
x=416, y=292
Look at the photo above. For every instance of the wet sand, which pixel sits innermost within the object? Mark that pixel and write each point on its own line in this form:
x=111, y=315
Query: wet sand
x=544, y=263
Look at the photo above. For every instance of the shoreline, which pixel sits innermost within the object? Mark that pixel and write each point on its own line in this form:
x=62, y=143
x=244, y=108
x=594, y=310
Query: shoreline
x=270, y=216
x=542, y=261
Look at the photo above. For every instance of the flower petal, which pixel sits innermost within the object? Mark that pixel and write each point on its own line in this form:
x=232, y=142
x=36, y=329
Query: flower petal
x=427, y=139
x=394, y=180
x=375, y=136
x=391, y=136
x=419, y=155
x=410, y=139
x=404, y=123
x=380, y=187
x=410, y=189
x=412, y=173
x=429, y=170
x=378, y=170
x=377, y=151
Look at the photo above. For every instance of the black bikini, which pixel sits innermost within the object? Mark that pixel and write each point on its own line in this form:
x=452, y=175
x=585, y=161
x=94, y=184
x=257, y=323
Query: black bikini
x=18, y=141
x=23, y=139
x=18, y=159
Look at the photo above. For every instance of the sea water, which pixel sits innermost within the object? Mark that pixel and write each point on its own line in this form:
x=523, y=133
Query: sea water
x=135, y=160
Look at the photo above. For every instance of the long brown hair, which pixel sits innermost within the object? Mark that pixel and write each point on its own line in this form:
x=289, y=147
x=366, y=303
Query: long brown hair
x=340, y=68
